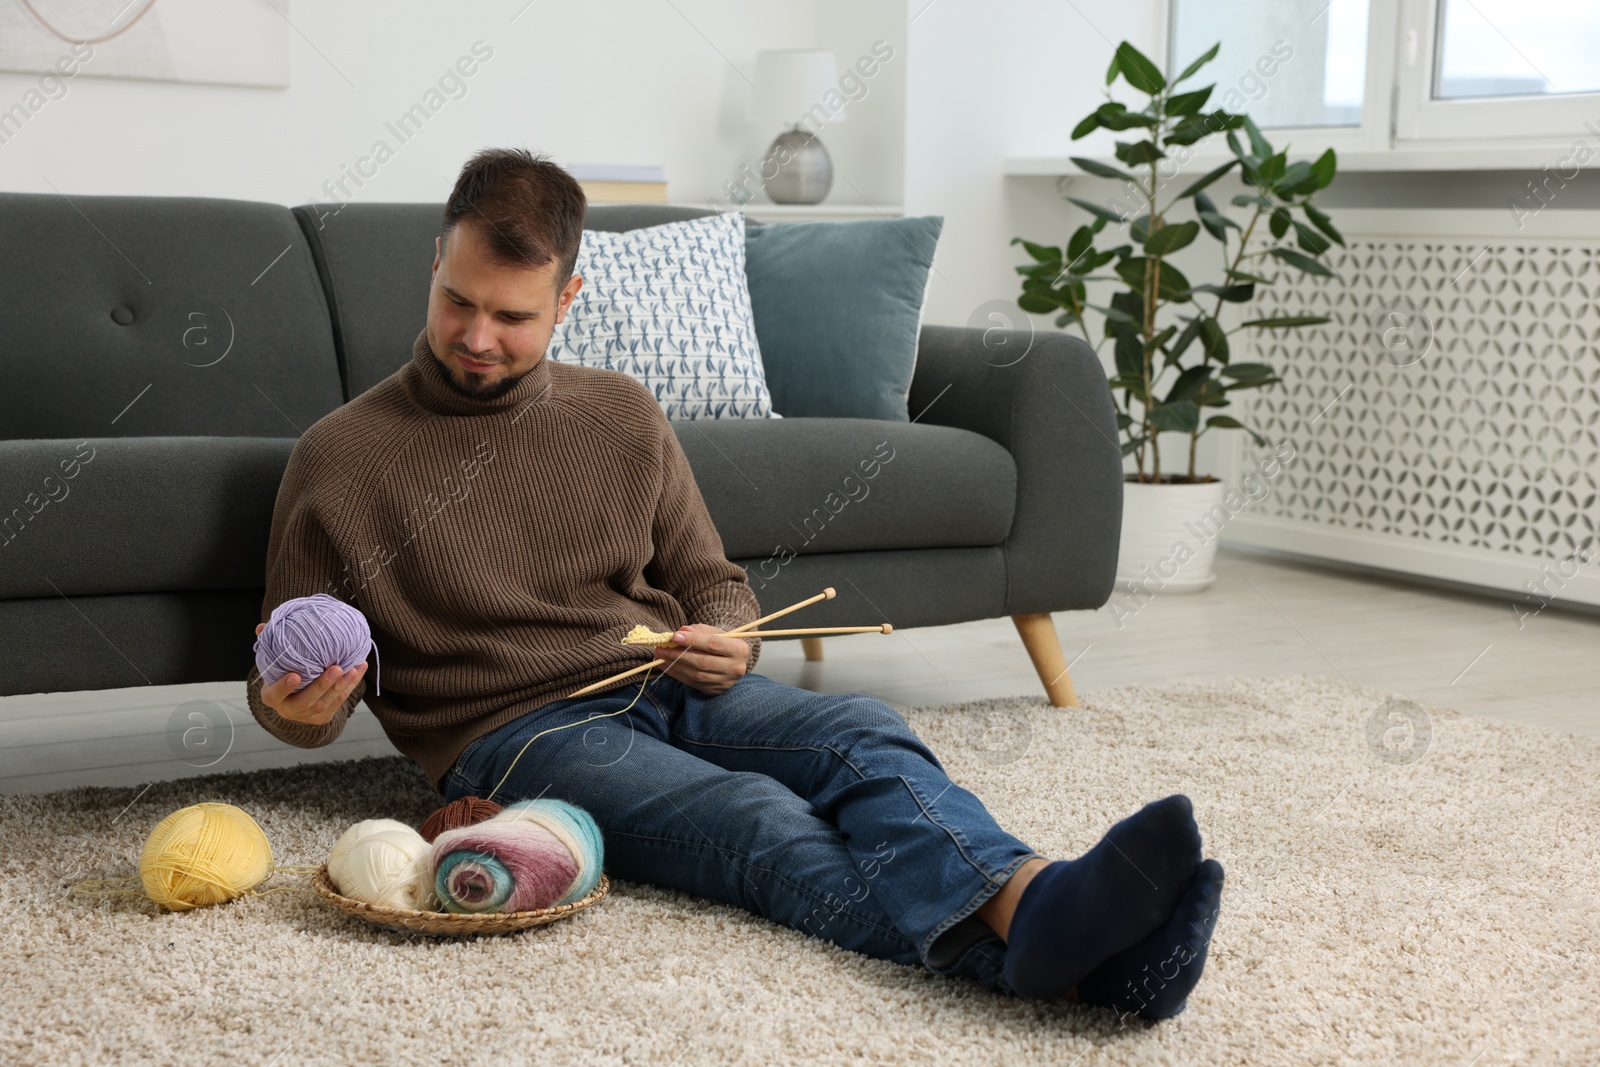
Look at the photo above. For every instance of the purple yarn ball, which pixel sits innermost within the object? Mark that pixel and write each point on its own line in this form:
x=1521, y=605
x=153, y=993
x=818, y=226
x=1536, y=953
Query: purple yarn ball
x=307, y=635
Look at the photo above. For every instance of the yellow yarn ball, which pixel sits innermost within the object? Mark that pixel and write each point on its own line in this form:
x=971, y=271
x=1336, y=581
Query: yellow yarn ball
x=204, y=854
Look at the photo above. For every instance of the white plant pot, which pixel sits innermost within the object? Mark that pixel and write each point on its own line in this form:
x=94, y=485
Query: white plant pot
x=1169, y=536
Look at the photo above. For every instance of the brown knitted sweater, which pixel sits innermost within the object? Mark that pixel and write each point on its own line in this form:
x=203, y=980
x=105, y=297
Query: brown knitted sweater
x=499, y=549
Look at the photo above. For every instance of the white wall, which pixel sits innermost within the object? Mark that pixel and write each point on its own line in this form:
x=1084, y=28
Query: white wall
x=991, y=80
x=623, y=81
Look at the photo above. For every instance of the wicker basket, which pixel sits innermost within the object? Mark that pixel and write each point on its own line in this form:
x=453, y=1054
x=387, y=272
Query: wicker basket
x=450, y=923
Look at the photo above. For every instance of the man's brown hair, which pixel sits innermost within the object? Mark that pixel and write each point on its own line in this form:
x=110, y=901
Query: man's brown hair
x=529, y=210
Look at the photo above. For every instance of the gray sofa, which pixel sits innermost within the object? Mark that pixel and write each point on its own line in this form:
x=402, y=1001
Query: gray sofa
x=159, y=356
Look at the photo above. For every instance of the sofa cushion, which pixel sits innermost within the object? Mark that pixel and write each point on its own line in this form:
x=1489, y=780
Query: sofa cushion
x=816, y=485
x=668, y=306
x=838, y=309
x=133, y=315
x=136, y=514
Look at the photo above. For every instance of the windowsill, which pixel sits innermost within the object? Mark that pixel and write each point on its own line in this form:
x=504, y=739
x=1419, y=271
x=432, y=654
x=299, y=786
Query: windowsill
x=1409, y=158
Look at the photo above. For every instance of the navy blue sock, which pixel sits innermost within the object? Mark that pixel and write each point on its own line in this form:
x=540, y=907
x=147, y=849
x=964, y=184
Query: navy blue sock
x=1075, y=913
x=1153, y=978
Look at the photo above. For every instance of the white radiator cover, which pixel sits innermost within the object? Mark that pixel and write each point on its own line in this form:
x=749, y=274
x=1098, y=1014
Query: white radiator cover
x=1446, y=423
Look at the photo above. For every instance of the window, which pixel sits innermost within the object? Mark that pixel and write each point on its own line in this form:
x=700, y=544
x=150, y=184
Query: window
x=1553, y=49
x=1295, y=63
x=1457, y=79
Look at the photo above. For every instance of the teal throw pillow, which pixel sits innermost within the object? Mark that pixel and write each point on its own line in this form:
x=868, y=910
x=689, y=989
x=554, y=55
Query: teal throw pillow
x=837, y=309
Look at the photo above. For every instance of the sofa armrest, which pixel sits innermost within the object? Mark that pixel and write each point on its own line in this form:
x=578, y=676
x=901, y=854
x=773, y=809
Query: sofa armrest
x=1049, y=405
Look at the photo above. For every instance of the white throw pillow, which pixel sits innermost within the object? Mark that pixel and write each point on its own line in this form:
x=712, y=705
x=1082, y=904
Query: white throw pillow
x=669, y=306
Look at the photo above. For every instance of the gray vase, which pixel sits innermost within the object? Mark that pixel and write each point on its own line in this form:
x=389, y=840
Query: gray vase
x=807, y=175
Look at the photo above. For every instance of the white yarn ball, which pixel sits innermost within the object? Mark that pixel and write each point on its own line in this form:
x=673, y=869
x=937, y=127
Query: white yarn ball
x=341, y=847
x=384, y=863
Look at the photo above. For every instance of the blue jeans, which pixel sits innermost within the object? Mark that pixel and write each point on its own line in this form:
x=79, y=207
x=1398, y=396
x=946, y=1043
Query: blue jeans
x=821, y=812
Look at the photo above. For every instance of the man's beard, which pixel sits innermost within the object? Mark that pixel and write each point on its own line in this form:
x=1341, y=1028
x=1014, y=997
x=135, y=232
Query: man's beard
x=487, y=392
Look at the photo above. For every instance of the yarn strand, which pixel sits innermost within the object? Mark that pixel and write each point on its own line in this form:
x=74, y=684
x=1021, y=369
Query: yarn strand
x=553, y=729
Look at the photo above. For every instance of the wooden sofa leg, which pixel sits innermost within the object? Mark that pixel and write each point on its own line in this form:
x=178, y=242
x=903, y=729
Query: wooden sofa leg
x=1044, y=648
x=812, y=647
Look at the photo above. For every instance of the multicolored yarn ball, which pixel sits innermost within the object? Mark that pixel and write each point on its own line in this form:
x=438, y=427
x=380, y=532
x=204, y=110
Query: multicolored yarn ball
x=534, y=854
x=383, y=862
x=463, y=812
x=204, y=854
x=307, y=635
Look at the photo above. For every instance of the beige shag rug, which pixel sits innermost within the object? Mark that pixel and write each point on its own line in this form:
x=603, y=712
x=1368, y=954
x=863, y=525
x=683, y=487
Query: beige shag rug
x=1405, y=886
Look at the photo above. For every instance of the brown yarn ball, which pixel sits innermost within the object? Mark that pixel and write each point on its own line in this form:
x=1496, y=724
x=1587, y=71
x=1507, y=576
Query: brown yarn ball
x=458, y=813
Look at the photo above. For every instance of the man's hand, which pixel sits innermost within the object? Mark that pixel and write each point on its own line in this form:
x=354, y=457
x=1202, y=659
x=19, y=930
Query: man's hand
x=704, y=659
x=318, y=702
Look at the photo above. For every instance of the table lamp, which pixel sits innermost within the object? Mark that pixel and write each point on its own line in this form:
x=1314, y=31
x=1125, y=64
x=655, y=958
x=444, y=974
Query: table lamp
x=792, y=86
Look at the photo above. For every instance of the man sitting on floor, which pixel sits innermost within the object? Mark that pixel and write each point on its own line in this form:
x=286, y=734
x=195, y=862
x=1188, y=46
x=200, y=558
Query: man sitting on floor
x=503, y=520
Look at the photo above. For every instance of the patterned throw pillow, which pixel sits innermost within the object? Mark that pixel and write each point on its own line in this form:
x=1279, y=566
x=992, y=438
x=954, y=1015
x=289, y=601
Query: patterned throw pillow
x=669, y=306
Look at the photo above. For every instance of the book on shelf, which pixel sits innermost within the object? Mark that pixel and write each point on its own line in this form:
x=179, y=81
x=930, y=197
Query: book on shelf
x=621, y=182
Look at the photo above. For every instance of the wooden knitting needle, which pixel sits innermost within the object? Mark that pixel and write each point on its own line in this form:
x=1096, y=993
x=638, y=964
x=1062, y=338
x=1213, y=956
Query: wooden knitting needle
x=826, y=594
x=884, y=629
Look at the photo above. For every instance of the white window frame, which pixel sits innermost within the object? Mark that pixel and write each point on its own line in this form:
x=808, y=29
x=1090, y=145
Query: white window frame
x=1419, y=118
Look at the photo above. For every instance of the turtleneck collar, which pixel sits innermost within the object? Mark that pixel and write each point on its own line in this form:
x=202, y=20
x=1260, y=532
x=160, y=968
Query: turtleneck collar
x=424, y=382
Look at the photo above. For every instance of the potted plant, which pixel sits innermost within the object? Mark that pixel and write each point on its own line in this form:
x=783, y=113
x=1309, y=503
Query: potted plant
x=1173, y=368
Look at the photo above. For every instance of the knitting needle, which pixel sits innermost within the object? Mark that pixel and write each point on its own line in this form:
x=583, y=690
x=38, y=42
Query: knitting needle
x=826, y=594
x=884, y=629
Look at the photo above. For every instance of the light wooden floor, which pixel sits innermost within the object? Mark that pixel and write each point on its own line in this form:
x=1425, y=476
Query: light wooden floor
x=1265, y=615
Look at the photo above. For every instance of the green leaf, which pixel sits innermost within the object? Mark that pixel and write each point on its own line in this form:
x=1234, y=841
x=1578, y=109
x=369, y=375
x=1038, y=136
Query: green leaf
x=1117, y=321
x=1297, y=179
x=1130, y=447
x=1233, y=294
x=1115, y=116
x=1188, y=103
x=1323, y=169
x=1322, y=222
x=1067, y=318
x=1142, y=74
x=1173, y=285
x=1287, y=321
x=1247, y=371
x=1188, y=71
x=1082, y=241
x=1043, y=253
x=1100, y=170
x=1139, y=228
x=1188, y=384
x=1302, y=261
x=1090, y=123
x=1260, y=147
x=1272, y=168
x=1170, y=238
x=1310, y=239
x=1097, y=210
x=1252, y=383
x=1228, y=422
x=1279, y=222
x=1114, y=69
x=1130, y=356
x=1250, y=200
x=1037, y=303
x=1208, y=179
x=1181, y=417
x=1138, y=152
x=1160, y=339
x=1188, y=130
x=1185, y=339
x=1242, y=276
x=1217, y=224
x=1213, y=339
